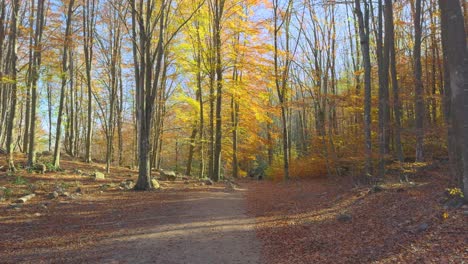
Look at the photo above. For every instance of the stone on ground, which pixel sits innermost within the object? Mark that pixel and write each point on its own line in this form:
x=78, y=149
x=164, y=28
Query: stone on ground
x=168, y=175
x=99, y=176
x=155, y=184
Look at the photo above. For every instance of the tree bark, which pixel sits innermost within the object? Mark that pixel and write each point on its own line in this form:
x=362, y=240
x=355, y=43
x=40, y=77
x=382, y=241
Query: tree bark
x=389, y=30
x=363, y=22
x=218, y=14
x=64, y=77
x=12, y=70
x=456, y=53
x=88, y=42
x=37, y=57
x=418, y=87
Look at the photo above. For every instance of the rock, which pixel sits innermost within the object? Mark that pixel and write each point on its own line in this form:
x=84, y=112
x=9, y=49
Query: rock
x=168, y=175
x=65, y=194
x=209, y=182
x=455, y=202
x=127, y=185
x=53, y=195
x=422, y=227
x=59, y=189
x=155, y=184
x=39, y=167
x=376, y=189
x=15, y=206
x=344, y=217
x=77, y=171
x=99, y=176
x=37, y=214
x=105, y=186
x=74, y=196
x=230, y=187
x=26, y=198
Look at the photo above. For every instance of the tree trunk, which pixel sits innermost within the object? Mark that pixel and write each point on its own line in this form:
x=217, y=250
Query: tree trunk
x=219, y=10
x=418, y=88
x=88, y=40
x=455, y=50
x=383, y=92
x=12, y=69
x=363, y=21
x=35, y=76
x=389, y=30
x=67, y=40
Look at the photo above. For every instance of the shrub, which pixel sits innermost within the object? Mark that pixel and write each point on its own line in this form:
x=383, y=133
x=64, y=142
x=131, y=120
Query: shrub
x=301, y=168
x=20, y=180
x=51, y=167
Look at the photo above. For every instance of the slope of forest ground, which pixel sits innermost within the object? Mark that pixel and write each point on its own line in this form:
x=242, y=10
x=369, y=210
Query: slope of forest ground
x=332, y=221
x=186, y=221
x=300, y=221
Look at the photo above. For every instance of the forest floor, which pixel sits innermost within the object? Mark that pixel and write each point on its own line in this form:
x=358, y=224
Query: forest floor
x=186, y=221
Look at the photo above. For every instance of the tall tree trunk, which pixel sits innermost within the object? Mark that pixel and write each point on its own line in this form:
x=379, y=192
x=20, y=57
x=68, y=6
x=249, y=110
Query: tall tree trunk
x=64, y=77
x=281, y=77
x=37, y=56
x=383, y=93
x=456, y=52
x=200, y=103
x=389, y=30
x=363, y=21
x=88, y=42
x=218, y=14
x=418, y=87
x=12, y=70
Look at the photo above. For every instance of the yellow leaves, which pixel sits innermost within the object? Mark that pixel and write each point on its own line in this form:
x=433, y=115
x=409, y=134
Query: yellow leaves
x=182, y=98
x=455, y=192
x=445, y=215
x=399, y=22
x=359, y=72
x=6, y=80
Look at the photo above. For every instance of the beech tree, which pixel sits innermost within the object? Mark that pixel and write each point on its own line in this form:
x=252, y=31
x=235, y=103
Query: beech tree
x=89, y=16
x=12, y=75
x=70, y=8
x=148, y=19
x=34, y=75
x=363, y=21
x=418, y=88
x=456, y=53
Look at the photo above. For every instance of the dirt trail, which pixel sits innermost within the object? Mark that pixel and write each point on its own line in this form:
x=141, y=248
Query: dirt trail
x=211, y=227
x=201, y=226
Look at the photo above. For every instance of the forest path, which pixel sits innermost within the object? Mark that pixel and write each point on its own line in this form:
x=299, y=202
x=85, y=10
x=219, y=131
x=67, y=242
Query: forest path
x=201, y=225
x=207, y=227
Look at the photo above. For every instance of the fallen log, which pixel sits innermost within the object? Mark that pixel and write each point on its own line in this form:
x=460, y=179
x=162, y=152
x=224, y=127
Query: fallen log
x=26, y=198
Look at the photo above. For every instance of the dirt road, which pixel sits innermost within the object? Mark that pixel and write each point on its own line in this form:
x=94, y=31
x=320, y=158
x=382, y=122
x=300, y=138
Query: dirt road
x=196, y=226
